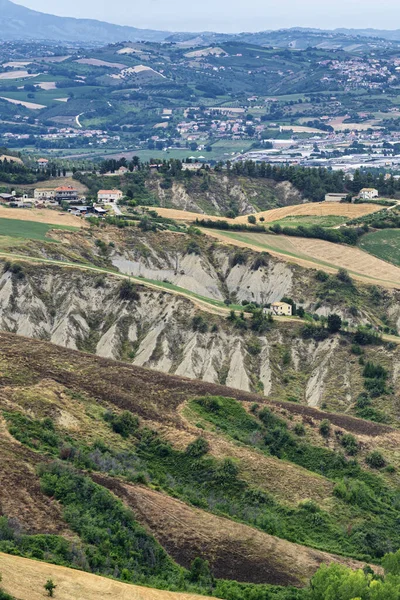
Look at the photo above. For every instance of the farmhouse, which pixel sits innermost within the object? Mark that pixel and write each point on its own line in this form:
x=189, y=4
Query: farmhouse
x=281, y=308
x=368, y=193
x=66, y=193
x=109, y=195
x=44, y=194
x=42, y=163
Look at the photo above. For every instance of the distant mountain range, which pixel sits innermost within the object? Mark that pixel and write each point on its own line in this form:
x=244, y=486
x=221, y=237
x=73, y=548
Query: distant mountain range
x=20, y=23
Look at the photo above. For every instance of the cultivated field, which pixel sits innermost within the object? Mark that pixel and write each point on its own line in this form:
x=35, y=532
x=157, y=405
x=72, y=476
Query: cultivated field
x=50, y=217
x=31, y=105
x=29, y=230
x=315, y=209
x=15, y=75
x=384, y=244
x=318, y=209
x=317, y=254
x=24, y=579
x=308, y=220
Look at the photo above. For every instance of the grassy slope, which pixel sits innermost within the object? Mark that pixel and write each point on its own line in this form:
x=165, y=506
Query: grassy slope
x=74, y=389
x=384, y=244
x=25, y=579
x=29, y=230
x=317, y=254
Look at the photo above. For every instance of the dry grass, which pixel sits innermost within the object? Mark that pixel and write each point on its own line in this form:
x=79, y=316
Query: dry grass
x=319, y=209
x=10, y=159
x=38, y=215
x=316, y=209
x=317, y=254
x=286, y=481
x=24, y=579
x=235, y=551
x=56, y=182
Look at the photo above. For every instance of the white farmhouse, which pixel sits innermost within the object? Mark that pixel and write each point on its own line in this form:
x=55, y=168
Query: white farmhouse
x=109, y=195
x=368, y=193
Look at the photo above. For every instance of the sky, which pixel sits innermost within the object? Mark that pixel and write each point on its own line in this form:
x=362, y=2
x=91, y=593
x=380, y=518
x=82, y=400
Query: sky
x=229, y=15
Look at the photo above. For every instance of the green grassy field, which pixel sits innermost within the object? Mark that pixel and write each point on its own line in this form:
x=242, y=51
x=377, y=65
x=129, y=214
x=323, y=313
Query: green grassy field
x=384, y=244
x=306, y=221
x=29, y=230
x=48, y=97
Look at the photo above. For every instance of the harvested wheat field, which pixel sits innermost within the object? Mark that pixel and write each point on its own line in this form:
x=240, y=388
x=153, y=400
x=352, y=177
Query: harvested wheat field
x=38, y=215
x=317, y=254
x=184, y=215
x=235, y=551
x=316, y=209
x=25, y=578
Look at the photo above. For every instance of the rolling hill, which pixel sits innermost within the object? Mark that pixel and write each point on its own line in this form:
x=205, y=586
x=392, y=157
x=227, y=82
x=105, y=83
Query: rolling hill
x=20, y=23
x=187, y=461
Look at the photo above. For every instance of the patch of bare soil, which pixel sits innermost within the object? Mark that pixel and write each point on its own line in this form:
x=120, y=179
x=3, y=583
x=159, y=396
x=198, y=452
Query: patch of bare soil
x=235, y=551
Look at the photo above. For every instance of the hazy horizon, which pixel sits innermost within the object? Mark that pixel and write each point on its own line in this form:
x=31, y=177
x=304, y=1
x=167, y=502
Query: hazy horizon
x=229, y=15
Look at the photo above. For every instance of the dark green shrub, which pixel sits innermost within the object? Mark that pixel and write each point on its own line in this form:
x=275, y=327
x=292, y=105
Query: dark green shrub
x=334, y=323
x=125, y=424
x=350, y=444
x=199, y=324
x=128, y=291
x=321, y=276
x=239, y=258
x=325, y=428
x=198, y=448
x=375, y=460
x=193, y=248
x=299, y=429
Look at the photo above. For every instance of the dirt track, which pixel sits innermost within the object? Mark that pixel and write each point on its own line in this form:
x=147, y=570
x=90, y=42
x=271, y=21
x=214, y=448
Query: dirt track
x=25, y=578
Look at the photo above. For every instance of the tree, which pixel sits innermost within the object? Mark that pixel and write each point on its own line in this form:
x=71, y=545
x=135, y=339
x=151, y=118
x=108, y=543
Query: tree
x=334, y=323
x=252, y=219
x=50, y=586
